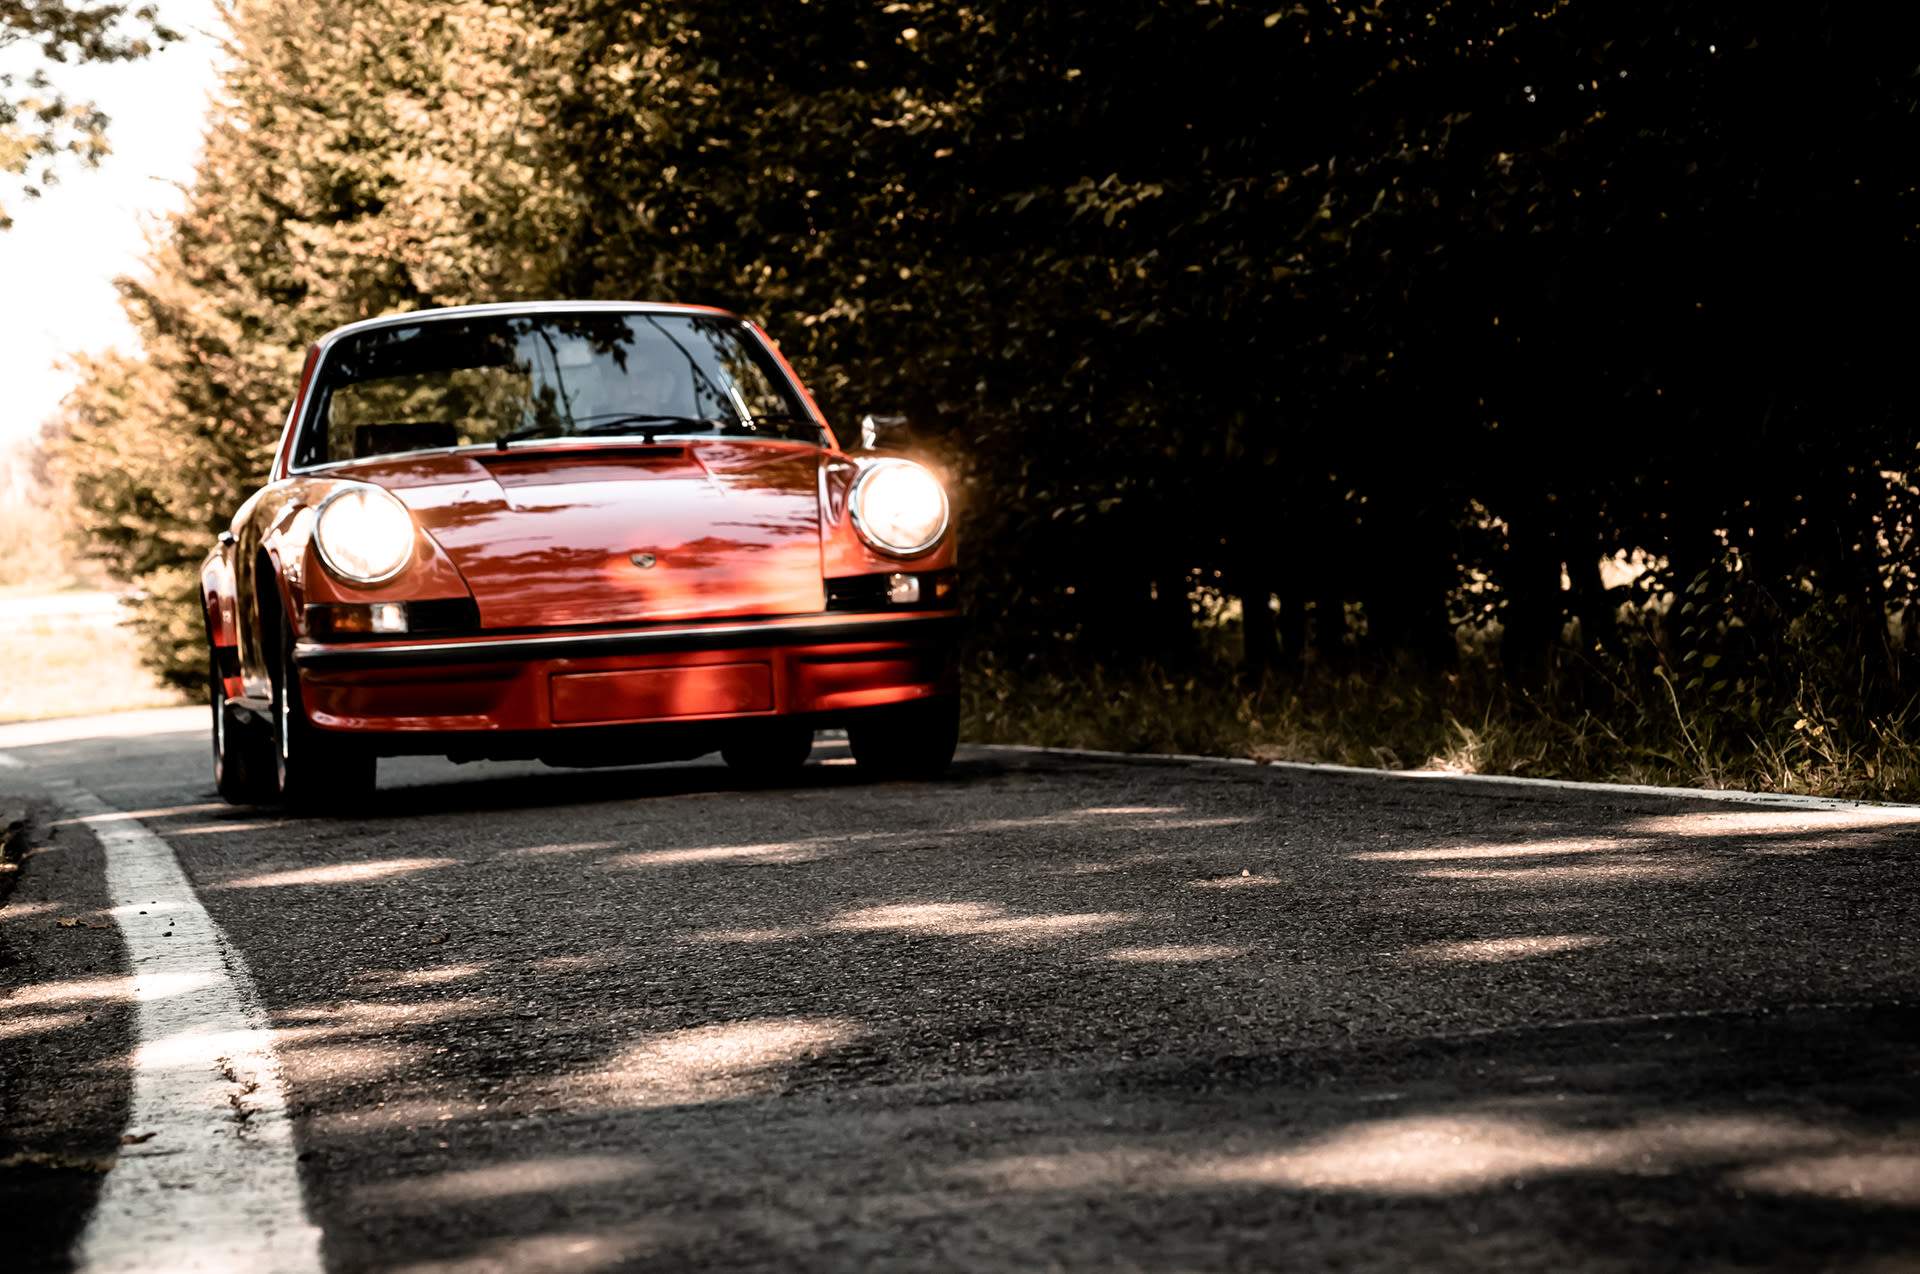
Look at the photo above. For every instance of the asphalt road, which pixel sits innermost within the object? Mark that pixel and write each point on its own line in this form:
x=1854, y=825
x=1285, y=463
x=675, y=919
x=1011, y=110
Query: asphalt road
x=1052, y=1013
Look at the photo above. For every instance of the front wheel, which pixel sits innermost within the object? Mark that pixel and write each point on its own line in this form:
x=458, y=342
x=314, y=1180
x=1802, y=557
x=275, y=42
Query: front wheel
x=243, y=771
x=314, y=770
x=911, y=741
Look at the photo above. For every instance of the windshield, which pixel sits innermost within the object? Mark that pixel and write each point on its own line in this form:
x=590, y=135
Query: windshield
x=506, y=378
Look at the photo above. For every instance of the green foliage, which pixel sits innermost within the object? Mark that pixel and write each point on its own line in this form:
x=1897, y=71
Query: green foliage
x=1621, y=721
x=1370, y=323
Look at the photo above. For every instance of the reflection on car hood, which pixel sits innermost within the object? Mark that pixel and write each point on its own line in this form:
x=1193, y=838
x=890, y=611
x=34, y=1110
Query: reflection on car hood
x=621, y=533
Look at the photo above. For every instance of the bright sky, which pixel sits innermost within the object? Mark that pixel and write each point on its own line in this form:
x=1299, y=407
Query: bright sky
x=58, y=263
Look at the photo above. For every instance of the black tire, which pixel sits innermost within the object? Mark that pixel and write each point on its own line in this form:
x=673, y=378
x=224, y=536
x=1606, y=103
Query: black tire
x=312, y=770
x=912, y=741
x=243, y=770
x=769, y=752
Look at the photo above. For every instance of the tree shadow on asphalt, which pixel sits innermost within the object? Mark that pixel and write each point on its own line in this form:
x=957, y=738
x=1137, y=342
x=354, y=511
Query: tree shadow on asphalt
x=1749, y=1140
x=1143, y=1019
x=1225, y=1027
x=491, y=789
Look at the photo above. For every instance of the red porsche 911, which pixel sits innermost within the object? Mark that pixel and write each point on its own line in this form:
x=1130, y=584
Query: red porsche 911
x=588, y=533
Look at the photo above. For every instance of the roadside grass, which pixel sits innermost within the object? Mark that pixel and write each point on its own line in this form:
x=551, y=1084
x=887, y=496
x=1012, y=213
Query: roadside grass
x=60, y=663
x=1605, y=725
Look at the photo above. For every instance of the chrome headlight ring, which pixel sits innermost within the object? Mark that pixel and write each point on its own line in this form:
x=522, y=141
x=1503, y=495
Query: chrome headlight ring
x=891, y=523
x=381, y=515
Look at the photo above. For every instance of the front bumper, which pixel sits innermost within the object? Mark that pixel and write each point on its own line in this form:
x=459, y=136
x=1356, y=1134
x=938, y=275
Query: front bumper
x=814, y=666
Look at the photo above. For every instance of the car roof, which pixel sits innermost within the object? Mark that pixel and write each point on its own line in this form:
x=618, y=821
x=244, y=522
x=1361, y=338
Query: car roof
x=520, y=307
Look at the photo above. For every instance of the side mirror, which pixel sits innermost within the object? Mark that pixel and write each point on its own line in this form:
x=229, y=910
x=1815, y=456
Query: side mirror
x=876, y=431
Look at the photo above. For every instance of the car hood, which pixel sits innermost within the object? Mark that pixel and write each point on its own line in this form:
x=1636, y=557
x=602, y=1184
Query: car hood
x=625, y=533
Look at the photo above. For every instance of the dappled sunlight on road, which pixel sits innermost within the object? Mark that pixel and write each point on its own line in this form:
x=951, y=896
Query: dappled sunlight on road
x=219, y=829
x=970, y=919
x=1245, y=880
x=1097, y=821
x=769, y=852
x=1441, y=1154
x=1640, y=871
x=1497, y=1146
x=391, y=1113
x=507, y=1180
x=338, y=873
x=564, y=847
x=126, y=989
x=154, y=815
x=18, y=1024
x=1766, y=822
x=15, y=912
x=343, y=1063
x=1080, y=817
x=401, y=979
x=1141, y=999
x=577, y=962
x=345, y=1047
x=86, y=996
x=1176, y=953
x=1521, y=849
x=931, y=919
x=1500, y=950
x=363, y=1016
x=714, y=1063
x=1887, y=1178
x=563, y=1252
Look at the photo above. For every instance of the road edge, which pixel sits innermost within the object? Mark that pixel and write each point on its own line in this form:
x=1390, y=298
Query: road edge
x=206, y=1178
x=1776, y=800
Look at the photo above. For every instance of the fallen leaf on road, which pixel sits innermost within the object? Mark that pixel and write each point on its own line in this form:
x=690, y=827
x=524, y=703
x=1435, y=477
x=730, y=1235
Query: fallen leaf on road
x=75, y=922
x=136, y=1138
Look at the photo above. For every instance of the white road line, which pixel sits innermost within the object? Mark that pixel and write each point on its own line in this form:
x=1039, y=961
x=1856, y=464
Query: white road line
x=207, y=1180
x=1776, y=799
x=11, y=762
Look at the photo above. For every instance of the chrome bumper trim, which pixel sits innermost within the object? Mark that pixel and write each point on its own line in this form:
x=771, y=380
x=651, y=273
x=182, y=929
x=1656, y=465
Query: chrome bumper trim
x=830, y=630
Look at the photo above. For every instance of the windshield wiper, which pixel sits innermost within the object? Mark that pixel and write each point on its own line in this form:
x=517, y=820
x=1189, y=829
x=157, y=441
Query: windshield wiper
x=620, y=423
x=609, y=423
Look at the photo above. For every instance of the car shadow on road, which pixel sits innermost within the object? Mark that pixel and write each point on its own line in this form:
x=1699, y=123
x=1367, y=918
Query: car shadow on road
x=519, y=787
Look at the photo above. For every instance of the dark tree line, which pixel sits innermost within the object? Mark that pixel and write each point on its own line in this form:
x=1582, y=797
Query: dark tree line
x=1378, y=321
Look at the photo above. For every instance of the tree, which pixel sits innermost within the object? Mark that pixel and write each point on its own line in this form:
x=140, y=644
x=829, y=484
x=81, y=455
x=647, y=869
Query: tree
x=1392, y=320
x=38, y=124
x=362, y=158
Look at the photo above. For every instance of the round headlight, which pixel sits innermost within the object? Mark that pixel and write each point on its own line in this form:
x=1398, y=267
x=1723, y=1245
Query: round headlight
x=364, y=534
x=899, y=507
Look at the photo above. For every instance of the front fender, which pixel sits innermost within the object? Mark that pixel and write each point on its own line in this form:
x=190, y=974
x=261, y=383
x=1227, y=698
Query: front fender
x=272, y=568
x=843, y=552
x=217, y=600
